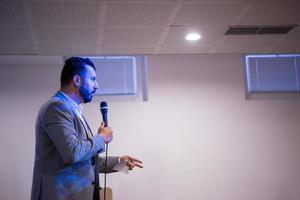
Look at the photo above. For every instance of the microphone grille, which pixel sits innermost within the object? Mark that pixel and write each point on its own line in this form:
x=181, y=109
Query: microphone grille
x=103, y=104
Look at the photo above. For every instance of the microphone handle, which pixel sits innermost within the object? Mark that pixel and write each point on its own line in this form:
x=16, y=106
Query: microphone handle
x=105, y=120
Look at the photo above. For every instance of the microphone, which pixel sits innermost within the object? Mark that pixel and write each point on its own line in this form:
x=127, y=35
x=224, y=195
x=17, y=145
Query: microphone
x=104, y=111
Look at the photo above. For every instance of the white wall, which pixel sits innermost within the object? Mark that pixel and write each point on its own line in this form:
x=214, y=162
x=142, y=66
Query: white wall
x=23, y=88
x=197, y=135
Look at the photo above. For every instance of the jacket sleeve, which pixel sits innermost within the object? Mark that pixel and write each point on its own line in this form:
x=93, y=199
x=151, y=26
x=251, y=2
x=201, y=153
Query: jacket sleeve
x=112, y=161
x=59, y=125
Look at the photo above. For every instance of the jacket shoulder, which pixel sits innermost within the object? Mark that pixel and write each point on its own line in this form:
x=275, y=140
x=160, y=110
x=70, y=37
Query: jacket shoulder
x=54, y=108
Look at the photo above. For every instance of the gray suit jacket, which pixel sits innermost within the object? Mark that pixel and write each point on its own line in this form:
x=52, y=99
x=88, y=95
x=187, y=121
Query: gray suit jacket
x=65, y=147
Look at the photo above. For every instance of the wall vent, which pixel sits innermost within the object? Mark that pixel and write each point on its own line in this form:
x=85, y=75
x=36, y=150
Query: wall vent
x=258, y=30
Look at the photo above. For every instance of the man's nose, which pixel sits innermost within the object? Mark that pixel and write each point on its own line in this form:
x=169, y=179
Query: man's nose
x=96, y=85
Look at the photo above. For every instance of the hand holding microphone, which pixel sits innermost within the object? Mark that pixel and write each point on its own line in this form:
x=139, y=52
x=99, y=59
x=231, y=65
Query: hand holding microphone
x=104, y=130
x=106, y=133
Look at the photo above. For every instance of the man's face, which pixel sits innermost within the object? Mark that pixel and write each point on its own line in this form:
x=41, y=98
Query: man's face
x=89, y=84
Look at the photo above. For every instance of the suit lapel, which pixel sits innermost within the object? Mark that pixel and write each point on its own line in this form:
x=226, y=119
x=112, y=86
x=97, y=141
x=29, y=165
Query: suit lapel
x=87, y=128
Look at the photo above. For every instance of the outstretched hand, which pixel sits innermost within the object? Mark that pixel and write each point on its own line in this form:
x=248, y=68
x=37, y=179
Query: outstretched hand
x=131, y=162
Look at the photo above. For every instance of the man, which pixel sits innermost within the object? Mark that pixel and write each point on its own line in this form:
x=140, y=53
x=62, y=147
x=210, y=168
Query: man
x=66, y=151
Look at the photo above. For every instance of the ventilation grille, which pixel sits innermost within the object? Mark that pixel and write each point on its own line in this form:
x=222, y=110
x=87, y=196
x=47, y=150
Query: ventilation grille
x=258, y=30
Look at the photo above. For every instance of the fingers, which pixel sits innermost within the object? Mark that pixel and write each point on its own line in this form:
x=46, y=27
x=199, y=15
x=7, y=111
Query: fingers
x=132, y=162
x=130, y=165
x=139, y=165
x=135, y=159
x=106, y=132
x=127, y=157
x=136, y=162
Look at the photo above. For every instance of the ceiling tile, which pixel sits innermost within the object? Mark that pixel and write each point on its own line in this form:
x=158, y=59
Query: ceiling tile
x=208, y=14
x=127, y=49
x=291, y=43
x=176, y=35
x=73, y=13
x=175, y=49
x=138, y=14
x=89, y=27
x=16, y=39
x=67, y=50
x=12, y=13
x=233, y=1
x=251, y=39
x=66, y=36
x=273, y=13
x=143, y=1
x=217, y=1
x=131, y=36
x=274, y=1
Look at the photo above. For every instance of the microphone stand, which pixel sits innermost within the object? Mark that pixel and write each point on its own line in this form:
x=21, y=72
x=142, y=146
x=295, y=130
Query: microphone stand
x=105, y=168
x=104, y=110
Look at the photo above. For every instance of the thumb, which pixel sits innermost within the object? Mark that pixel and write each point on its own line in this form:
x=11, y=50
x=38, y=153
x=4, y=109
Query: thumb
x=102, y=124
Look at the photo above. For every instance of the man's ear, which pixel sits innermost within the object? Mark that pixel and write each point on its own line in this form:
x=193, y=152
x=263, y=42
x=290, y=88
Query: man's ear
x=76, y=80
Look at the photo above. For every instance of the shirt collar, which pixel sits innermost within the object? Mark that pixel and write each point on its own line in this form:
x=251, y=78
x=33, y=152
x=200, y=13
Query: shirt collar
x=76, y=106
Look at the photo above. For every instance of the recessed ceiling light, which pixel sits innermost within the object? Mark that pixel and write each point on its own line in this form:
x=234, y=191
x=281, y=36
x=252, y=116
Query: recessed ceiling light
x=192, y=36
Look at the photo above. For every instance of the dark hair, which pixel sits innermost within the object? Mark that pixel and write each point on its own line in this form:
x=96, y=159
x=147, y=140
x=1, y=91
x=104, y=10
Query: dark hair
x=73, y=66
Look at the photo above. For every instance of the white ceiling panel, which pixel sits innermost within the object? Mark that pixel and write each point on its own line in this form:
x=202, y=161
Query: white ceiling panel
x=16, y=39
x=145, y=1
x=232, y=1
x=66, y=36
x=289, y=44
x=191, y=49
x=176, y=35
x=208, y=14
x=12, y=13
x=217, y=1
x=131, y=36
x=251, y=39
x=273, y=13
x=263, y=1
x=68, y=50
x=30, y=60
x=138, y=14
x=72, y=13
x=127, y=50
x=90, y=27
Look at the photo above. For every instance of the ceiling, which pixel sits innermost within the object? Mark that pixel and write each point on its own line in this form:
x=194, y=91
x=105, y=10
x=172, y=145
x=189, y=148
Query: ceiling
x=98, y=27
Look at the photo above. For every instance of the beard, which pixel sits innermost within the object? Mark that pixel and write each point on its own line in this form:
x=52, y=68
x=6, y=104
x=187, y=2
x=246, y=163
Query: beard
x=86, y=95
